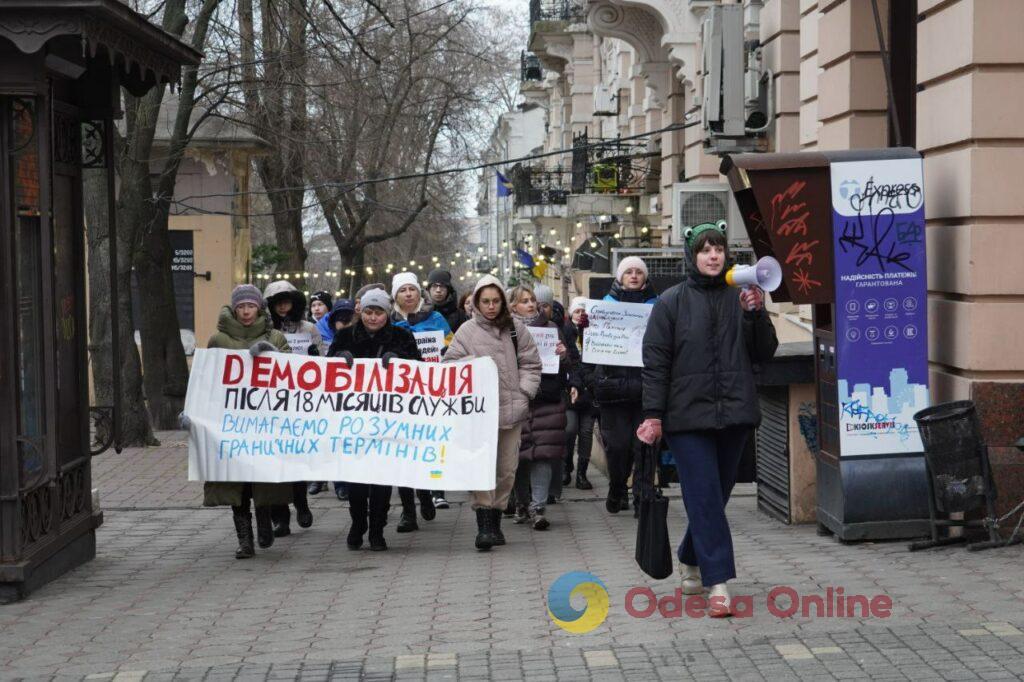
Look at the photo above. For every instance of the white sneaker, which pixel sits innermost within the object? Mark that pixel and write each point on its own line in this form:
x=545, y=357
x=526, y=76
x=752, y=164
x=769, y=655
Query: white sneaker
x=441, y=503
x=720, y=603
x=691, y=579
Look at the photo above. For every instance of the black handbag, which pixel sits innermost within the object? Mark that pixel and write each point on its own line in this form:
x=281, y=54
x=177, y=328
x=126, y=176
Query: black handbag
x=653, y=550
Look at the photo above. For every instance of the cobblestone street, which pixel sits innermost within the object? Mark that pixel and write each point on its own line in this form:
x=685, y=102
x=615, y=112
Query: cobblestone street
x=165, y=599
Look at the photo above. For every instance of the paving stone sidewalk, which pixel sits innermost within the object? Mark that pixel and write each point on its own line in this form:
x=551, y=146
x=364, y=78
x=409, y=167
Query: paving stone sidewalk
x=165, y=599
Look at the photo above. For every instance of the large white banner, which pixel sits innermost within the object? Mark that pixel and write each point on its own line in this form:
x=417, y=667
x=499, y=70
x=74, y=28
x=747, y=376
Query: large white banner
x=616, y=333
x=546, y=339
x=281, y=417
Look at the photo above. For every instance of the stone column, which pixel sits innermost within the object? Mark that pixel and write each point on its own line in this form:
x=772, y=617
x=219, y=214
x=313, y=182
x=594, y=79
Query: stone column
x=970, y=73
x=780, y=41
x=851, y=84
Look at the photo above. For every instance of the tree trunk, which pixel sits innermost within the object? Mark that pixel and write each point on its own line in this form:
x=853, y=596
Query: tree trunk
x=163, y=357
x=135, y=426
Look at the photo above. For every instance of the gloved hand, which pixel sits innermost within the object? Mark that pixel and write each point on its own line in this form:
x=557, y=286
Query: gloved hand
x=649, y=431
x=184, y=422
x=260, y=347
x=347, y=357
x=313, y=350
x=387, y=358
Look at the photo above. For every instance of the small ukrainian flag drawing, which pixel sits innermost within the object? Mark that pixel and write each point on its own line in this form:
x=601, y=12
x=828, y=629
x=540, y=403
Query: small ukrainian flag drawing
x=435, y=474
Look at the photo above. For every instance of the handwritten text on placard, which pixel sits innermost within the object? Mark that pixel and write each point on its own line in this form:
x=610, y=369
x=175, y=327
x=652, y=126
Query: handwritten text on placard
x=616, y=333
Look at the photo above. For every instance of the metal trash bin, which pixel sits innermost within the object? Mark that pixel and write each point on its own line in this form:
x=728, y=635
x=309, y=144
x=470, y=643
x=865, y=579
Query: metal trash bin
x=959, y=477
x=955, y=453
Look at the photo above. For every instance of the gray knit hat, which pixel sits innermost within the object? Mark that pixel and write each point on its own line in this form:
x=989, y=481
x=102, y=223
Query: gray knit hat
x=375, y=298
x=246, y=293
x=367, y=287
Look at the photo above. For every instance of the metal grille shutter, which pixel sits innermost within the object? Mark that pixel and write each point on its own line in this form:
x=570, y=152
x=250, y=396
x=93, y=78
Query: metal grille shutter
x=773, y=453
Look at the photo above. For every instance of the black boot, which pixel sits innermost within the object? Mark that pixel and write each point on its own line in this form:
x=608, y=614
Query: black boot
x=499, y=537
x=303, y=515
x=377, y=542
x=484, y=534
x=355, y=533
x=243, y=529
x=427, y=510
x=281, y=515
x=264, y=527
x=567, y=478
x=407, y=523
x=581, y=476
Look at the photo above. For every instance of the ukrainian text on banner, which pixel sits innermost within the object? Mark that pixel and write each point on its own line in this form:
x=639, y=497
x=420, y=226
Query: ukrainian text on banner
x=430, y=345
x=882, y=302
x=616, y=333
x=280, y=417
x=546, y=339
x=299, y=343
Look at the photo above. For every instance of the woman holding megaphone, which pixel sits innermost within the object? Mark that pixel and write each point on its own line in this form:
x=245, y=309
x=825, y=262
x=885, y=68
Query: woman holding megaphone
x=701, y=343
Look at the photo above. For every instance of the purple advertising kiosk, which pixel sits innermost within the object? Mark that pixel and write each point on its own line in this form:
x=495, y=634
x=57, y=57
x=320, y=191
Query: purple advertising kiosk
x=849, y=230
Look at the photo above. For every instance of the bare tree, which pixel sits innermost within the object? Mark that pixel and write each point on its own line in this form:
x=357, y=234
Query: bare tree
x=397, y=103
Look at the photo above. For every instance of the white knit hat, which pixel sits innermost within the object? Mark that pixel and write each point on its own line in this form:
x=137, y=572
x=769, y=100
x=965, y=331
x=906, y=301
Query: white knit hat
x=578, y=303
x=401, y=279
x=630, y=262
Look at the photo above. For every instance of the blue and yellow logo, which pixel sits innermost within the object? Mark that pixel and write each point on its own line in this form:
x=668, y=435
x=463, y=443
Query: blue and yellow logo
x=560, y=595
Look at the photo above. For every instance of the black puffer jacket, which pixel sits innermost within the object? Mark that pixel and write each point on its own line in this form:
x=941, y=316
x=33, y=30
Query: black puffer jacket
x=614, y=384
x=699, y=352
x=390, y=339
x=543, y=434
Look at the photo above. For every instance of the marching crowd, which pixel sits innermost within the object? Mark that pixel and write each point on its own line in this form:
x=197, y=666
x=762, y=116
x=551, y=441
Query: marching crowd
x=693, y=400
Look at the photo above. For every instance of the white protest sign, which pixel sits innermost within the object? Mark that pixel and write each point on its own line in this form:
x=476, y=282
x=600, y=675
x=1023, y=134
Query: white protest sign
x=281, y=417
x=430, y=344
x=299, y=343
x=616, y=333
x=546, y=339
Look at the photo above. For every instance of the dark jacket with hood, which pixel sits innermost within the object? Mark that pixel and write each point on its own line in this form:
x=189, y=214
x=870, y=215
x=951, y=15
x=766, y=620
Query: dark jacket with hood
x=582, y=373
x=699, y=351
x=361, y=344
x=295, y=321
x=543, y=434
x=613, y=384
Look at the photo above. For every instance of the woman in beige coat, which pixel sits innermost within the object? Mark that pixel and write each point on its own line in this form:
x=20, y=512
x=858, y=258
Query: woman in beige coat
x=493, y=333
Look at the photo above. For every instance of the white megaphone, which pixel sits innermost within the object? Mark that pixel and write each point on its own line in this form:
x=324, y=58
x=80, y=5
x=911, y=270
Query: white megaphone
x=765, y=273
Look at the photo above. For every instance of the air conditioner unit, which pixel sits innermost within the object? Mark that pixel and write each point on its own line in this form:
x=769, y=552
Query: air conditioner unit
x=737, y=110
x=706, y=202
x=606, y=101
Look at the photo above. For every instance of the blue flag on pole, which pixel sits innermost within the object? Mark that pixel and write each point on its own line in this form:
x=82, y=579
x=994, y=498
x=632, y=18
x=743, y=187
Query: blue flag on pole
x=504, y=186
x=525, y=258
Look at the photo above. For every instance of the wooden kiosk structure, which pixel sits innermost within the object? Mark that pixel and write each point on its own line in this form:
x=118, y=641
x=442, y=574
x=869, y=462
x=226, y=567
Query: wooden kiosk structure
x=64, y=64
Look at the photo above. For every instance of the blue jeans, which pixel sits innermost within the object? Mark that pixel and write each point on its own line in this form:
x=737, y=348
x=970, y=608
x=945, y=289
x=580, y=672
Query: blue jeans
x=707, y=462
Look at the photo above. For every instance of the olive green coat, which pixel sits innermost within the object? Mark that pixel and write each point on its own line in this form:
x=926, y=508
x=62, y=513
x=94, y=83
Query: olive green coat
x=233, y=335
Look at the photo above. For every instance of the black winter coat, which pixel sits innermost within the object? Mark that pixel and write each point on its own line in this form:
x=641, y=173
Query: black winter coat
x=583, y=373
x=390, y=339
x=699, y=351
x=615, y=384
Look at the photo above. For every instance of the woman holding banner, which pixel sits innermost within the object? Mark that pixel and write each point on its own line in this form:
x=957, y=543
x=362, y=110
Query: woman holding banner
x=411, y=313
x=543, y=435
x=245, y=324
x=372, y=336
x=618, y=391
x=493, y=332
x=287, y=308
x=702, y=340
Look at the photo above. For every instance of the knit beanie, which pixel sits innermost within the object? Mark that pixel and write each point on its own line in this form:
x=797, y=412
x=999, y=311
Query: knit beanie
x=439, y=277
x=322, y=296
x=375, y=298
x=544, y=294
x=246, y=293
x=367, y=287
x=630, y=262
x=578, y=303
x=401, y=279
